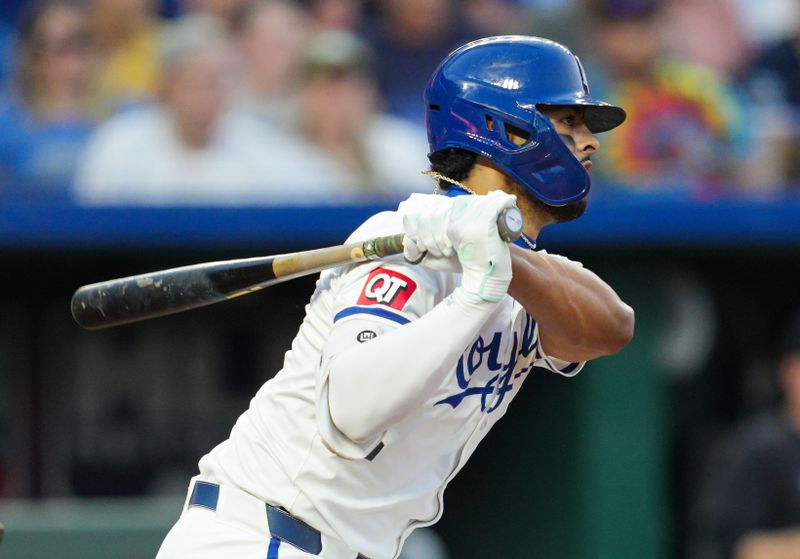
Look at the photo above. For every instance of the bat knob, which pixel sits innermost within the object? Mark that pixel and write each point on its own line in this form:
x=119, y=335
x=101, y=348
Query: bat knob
x=510, y=223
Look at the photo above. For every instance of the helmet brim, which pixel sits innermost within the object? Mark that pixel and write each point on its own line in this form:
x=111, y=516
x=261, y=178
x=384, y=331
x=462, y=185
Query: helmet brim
x=599, y=116
x=602, y=118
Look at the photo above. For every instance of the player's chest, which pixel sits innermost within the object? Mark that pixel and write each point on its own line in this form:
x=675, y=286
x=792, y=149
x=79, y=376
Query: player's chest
x=492, y=368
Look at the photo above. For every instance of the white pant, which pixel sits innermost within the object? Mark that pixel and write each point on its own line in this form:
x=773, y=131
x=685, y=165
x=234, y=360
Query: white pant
x=238, y=529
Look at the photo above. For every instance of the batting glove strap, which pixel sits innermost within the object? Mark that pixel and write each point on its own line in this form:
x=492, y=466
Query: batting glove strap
x=485, y=258
x=485, y=287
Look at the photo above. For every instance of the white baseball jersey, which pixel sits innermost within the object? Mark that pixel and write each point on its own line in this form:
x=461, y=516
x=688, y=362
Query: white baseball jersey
x=286, y=450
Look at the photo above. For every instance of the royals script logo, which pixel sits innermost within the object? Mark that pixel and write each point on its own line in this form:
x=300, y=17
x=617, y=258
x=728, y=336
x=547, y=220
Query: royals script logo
x=487, y=354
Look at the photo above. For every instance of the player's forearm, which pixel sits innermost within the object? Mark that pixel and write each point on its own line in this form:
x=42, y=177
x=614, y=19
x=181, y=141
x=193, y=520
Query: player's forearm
x=376, y=384
x=580, y=317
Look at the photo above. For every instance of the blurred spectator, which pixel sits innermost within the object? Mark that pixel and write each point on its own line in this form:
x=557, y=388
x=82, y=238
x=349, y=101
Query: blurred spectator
x=344, y=15
x=563, y=21
x=777, y=70
x=338, y=113
x=44, y=116
x=189, y=149
x=184, y=148
x=227, y=12
x=709, y=33
x=272, y=36
x=767, y=21
x=497, y=17
x=410, y=38
x=125, y=33
x=751, y=505
x=685, y=127
x=549, y=5
x=774, y=85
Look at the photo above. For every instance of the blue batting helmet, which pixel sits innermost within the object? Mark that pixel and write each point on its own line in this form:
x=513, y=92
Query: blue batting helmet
x=487, y=85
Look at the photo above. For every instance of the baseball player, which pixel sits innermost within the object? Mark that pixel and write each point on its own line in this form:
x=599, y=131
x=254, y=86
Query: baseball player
x=399, y=370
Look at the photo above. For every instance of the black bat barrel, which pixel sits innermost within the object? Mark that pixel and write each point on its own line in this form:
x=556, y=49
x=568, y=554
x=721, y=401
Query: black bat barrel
x=135, y=298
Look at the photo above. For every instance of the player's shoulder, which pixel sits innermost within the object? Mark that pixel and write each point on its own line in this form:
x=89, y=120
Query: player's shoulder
x=390, y=222
x=383, y=223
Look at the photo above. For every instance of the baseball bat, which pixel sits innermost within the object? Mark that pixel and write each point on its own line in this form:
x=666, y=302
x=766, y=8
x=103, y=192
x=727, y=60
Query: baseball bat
x=145, y=296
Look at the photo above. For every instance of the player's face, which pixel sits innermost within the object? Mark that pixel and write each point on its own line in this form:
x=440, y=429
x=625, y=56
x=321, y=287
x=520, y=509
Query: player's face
x=569, y=123
x=570, y=126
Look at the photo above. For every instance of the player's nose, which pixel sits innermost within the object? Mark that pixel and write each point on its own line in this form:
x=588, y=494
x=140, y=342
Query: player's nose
x=586, y=142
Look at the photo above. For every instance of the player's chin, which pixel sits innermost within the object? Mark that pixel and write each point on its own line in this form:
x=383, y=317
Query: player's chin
x=568, y=212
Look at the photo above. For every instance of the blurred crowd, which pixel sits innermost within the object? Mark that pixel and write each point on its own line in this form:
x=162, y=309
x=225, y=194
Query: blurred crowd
x=320, y=101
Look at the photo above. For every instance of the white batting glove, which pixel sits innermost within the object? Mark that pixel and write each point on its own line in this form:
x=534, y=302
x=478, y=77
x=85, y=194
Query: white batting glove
x=485, y=258
x=460, y=235
x=427, y=240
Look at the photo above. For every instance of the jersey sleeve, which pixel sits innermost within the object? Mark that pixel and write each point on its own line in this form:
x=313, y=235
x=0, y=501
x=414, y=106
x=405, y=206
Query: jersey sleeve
x=336, y=441
x=368, y=301
x=556, y=365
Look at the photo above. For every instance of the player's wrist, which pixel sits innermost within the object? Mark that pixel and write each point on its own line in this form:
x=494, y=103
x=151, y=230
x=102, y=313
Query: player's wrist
x=489, y=286
x=467, y=298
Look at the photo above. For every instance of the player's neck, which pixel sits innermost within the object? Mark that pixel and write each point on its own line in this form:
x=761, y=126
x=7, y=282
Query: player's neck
x=485, y=177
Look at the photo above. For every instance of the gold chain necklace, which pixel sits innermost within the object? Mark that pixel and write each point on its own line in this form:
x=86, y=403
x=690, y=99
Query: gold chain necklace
x=528, y=241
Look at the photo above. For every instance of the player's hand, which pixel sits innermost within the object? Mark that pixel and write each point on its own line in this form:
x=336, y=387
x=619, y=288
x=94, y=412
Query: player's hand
x=460, y=235
x=485, y=257
x=426, y=240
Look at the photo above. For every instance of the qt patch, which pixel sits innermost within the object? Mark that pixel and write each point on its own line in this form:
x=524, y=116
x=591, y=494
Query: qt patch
x=387, y=287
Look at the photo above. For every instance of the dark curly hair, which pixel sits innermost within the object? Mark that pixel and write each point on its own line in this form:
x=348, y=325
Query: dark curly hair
x=453, y=163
